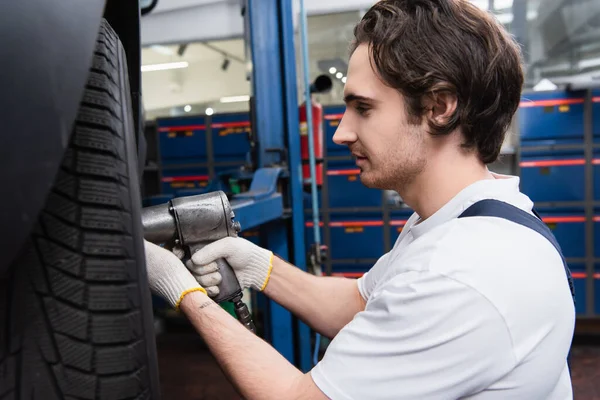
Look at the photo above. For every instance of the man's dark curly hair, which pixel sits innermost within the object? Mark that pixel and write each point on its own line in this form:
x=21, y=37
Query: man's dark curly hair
x=423, y=47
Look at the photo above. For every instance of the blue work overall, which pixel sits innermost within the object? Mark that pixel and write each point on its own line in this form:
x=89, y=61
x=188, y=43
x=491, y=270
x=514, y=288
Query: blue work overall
x=500, y=209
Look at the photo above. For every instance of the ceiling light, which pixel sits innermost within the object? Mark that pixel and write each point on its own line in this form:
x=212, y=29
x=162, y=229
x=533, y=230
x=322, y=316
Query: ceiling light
x=339, y=75
x=344, y=79
x=544, y=84
x=164, y=50
x=235, y=99
x=164, y=66
x=498, y=4
x=209, y=111
x=332, y=70
x=187, y=108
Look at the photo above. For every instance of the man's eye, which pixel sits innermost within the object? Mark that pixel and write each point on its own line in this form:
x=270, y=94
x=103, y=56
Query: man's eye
x=361, y=109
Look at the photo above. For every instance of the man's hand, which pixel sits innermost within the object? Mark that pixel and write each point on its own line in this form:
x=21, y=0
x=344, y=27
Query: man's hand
x=252, y=264
x=167, y=276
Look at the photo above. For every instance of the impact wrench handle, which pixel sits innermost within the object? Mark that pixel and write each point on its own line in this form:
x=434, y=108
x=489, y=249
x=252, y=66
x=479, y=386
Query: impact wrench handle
x=230, y=290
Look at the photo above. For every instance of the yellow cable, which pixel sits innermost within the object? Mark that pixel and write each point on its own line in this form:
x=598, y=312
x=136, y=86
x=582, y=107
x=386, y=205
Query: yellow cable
x=268, y=273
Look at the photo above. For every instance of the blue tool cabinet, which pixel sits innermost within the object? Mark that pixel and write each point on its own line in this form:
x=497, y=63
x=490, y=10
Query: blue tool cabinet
x=230, y=136
x=398, y=219
x=182, y=140
x=596, y=114
x=352, y=236
x=350, y=270
x=251, y=235
x=177, y=179
x=308, y=200
x=356, y=236
x=552, y=115
x=555, y=134
x=569, y=230
x=346, y=189
x=332, y=115
x=309, y=238
x=553, y=176
x=596, y=169
x=580, y=276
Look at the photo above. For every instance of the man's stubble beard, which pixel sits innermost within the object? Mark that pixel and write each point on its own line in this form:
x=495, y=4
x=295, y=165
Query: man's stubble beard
x=394, y=177
x=399, y=171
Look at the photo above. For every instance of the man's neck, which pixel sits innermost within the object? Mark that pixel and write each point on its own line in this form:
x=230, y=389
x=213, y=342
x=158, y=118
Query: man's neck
x=443, y=178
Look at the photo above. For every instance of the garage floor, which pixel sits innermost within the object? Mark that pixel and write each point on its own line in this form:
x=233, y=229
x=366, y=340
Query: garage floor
x=189, y=372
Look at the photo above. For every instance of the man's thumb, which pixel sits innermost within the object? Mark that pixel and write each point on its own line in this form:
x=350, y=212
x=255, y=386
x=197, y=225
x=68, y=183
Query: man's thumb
x=212, y=252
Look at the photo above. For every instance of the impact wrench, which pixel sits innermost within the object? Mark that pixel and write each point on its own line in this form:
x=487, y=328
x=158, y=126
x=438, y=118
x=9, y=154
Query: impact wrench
x=192, y=222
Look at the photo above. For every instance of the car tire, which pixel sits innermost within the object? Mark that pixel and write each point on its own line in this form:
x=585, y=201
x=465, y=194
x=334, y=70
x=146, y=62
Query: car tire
x=75, y=309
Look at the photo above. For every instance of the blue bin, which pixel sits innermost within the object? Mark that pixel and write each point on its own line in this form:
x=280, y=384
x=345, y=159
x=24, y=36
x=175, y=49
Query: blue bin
x=307, y=196
x=332, y=115
x=569, y=230
x=182, y=140
x=309, y=238
x=175, y=180
x=251, y=235
x=597, y=289
x=579, y=274
x=354, y=236
x=230, y=136
x=398, y=219
x=596, y=163
x=597, y=234
x=346, y=189
x=552, y=115
x=596, y=112
x=546, y=178
x=350, y=270
x=579, y=284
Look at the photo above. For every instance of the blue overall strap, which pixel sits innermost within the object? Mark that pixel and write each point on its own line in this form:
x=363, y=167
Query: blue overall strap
x=500, y=209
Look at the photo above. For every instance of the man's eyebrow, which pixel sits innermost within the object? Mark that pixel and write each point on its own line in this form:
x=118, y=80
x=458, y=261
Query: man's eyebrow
x=350, y=97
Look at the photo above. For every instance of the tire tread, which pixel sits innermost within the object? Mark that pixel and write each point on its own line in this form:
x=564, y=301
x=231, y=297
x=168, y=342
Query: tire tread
x=81, y=267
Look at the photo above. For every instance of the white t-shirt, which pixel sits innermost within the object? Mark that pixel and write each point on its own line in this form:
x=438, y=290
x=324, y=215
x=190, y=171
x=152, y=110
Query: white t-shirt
x=475, y=308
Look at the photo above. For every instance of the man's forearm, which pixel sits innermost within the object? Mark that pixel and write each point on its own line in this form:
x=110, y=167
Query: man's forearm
x=256, y=369
x=326, y=304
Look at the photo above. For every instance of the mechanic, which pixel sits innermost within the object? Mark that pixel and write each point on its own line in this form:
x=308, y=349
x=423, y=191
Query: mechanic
x=476, y=307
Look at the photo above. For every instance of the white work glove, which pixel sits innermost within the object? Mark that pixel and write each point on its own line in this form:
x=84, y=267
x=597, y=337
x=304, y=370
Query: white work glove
x=167, y=276
x=252, y=264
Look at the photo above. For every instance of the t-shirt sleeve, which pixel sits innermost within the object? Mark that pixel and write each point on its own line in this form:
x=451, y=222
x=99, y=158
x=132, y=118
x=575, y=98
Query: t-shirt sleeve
x=421, y=336
x=367, y=282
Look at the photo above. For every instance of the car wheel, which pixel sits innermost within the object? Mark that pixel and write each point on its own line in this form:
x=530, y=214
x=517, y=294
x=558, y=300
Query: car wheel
x=75, y=310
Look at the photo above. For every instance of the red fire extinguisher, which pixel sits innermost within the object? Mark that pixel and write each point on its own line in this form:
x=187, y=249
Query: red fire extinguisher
x=317, y=122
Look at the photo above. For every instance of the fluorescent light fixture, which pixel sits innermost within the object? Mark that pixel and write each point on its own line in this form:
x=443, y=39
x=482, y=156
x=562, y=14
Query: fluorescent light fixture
x=339, y=75
x=498, y=4
x=209, y=111
x=164, y=66
x=344, y=79
x=332, y=70
x=544, y=84
x=187, y=108
x=235, y=99
x=507, y=18
x=590, y=62
x=164, y=50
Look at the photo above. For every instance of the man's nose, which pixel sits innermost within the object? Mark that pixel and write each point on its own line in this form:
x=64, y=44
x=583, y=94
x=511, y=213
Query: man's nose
x=344, y=134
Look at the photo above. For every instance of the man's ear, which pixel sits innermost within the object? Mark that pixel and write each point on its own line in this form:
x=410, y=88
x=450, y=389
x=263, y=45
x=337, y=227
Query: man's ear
x=441, y=105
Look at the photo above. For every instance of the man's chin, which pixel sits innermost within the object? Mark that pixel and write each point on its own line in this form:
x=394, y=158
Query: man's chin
x=367, y=179
x=374, y=181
